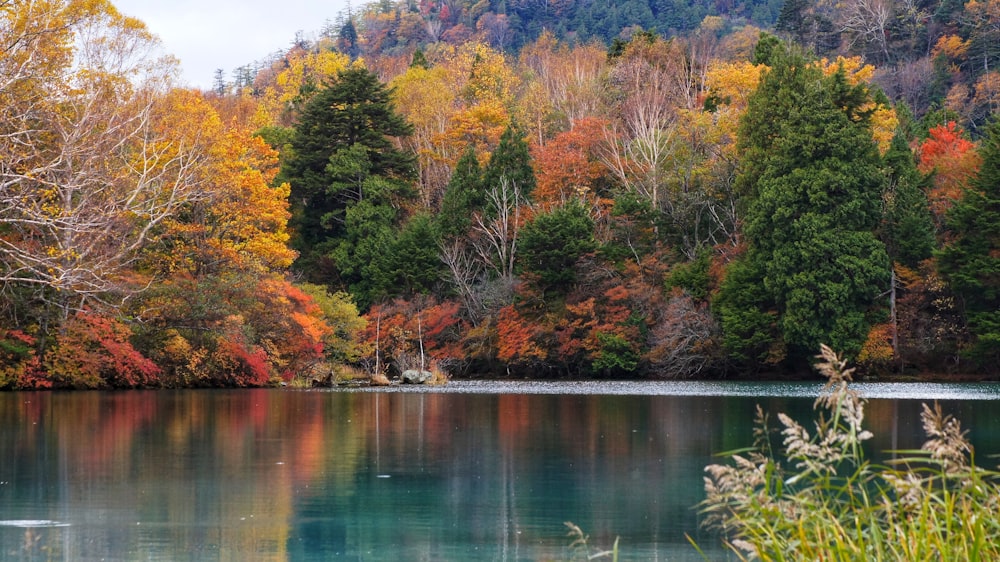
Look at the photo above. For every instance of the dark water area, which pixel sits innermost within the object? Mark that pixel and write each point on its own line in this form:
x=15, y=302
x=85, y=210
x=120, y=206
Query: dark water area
x=472, y=471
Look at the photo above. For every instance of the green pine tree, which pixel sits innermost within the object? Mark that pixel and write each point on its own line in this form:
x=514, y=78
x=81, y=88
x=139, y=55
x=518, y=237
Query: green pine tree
x=812, y=184
x=511, y=162
x=362, y=258
x=343, y=156
x=551, y=244
x=347, y=40
x=971, y=262
x=791, y=18
x=766, y=46
x=416, y=262
x=462, y=197
x=907, y=227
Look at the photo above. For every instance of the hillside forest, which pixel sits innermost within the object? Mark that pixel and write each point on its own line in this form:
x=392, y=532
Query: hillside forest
x=512, y=188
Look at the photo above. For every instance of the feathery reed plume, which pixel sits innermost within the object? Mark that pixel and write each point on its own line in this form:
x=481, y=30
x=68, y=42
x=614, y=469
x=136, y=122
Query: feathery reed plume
x=820, y=498
x=947, y=442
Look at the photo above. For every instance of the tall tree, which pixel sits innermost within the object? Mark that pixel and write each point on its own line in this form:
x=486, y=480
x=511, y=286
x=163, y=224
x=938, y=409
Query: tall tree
x=908, y=228
x=426, y=97
x=649, y=84
x=219, y=311
x=568, y=165
x=971, y=262
x=791, y=18
x=511, y=162
x=552, y=243
x=347, y=39
x=462, y=197
x=93, y=159
x=343, y=155
x=417, y=265
x=951, y=161
x=812, y=182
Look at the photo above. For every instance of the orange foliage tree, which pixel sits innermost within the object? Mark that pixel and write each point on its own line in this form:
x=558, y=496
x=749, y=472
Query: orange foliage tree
x=953, y=160
x=569, y=164
x=220, y=311
x=398, y=333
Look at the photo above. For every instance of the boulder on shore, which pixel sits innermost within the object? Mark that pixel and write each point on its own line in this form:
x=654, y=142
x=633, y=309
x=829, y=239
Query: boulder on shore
x=413, y=376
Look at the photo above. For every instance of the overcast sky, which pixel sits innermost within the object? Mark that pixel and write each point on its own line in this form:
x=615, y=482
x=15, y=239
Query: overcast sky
x=210, y=34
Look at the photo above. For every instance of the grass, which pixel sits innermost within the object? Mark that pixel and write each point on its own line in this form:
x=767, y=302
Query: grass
x=815, y=496
x=582, y=549
x=341, y=374
x=438, y=375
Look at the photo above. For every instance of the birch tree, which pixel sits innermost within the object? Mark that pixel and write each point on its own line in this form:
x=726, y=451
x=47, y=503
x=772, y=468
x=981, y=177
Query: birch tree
x=90, y=165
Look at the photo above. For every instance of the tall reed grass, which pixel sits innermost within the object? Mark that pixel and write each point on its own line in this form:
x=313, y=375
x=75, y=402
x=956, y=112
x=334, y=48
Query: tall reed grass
x=815, y=496
x=582, y=548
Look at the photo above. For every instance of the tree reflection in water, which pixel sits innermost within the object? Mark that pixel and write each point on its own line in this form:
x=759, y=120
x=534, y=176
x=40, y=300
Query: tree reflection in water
x=309, y=475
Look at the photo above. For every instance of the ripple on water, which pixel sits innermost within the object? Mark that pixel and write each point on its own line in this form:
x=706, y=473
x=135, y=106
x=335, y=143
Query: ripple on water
x=32, y=523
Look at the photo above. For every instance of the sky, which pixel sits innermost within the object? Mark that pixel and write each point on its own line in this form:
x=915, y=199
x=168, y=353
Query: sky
x=210, y=34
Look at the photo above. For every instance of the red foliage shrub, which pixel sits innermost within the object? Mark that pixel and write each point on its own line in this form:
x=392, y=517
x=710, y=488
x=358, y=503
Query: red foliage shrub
x=396, y=329
x=517, y=338
x=19, y=366
x=242, y=365
x=94, y=351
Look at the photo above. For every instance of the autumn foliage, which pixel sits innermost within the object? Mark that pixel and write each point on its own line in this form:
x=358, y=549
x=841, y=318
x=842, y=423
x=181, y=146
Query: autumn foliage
x=952, y=160
x=400, y=331
x=569, y=165
x=94, y=351
x=459, y=187
x=19, y=367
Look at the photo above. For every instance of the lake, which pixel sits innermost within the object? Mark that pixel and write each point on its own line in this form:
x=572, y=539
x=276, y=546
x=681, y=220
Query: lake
x=470, y=471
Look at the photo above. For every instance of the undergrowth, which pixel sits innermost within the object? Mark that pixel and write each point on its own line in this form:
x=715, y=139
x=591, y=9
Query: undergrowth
x=817, y=497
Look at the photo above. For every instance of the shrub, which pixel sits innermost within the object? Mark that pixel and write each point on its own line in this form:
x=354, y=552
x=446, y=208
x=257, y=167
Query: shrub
x=94, y=351
x=19, y=366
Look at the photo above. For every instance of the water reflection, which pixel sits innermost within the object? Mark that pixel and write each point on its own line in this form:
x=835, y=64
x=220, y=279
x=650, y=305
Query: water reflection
x=287, y=475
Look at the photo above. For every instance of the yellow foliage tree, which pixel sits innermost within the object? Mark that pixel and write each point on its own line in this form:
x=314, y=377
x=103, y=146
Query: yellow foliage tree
x=883, y=120
x=465, y=99
x=729, y=86
x=303, y=72
x=425, y=99
x=240, y=219
x=480, y=126
x=87, y=178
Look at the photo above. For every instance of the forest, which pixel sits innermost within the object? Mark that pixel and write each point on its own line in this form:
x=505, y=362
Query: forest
x=504, y=189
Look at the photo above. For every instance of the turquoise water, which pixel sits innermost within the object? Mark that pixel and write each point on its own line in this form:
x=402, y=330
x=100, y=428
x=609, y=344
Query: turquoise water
x=471, y=471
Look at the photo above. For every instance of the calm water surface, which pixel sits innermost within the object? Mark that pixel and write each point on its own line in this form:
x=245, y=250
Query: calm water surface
x=473, y=471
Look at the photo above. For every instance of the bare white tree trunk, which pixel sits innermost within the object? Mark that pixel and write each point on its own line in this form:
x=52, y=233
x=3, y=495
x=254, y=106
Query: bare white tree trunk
x=378, y=341
x=866, y=21
x=497, y=234
x=420, y=341
x=466, y=271
x=88, y=172
x=641, y=141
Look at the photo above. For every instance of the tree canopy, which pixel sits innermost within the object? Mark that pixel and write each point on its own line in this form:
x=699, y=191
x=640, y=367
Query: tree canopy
x=971, y=261
x=812, y=190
